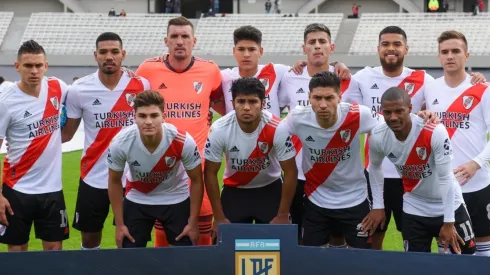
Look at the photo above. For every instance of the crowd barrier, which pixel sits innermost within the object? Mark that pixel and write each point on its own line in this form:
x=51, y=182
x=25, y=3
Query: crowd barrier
x=241, y=250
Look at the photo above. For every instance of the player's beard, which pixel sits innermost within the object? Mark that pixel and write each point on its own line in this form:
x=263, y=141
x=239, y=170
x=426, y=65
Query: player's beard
x=391, y=67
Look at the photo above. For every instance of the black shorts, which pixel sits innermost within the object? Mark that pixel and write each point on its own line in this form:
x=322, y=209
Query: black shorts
x=418, y=232
x=47, y=211
x=478, y=205
x=248, y=205
x=140, y=218
x=320, y=223
x=298, y=207
x=393, y=200
x=92, y=208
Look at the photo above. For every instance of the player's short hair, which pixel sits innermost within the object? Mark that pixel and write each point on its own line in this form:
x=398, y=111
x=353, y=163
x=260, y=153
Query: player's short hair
x=108, y=36
x=247, y=33
x=30, y=47
x=247, y=86
x=394, y=94
x=452, y=34
x=180, y=21
x=316, y=27
x=392, y=29
x=325, y=79
x=149, y=98
x=2, y=80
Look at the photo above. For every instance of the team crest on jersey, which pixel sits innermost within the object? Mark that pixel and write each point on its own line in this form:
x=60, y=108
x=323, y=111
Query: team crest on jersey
x=409, y=87
x=198, y=87
x=3, y=229
x=130, y=98
x=265, y=82
x=468, y=101
x=54, y=101
x=421, y=152
x=263, y=146
x=345, y=135
x=170, y=161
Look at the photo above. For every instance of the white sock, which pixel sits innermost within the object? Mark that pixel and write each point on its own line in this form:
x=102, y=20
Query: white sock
x=95, y=248
x=338, y=246
x=483, y=249
x=440, y=248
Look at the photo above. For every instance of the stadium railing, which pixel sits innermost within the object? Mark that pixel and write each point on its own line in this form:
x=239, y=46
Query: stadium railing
x=5, y=20
x=241, y=250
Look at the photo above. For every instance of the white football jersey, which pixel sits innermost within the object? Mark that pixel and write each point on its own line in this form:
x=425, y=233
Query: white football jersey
x=331, y=159
x=416, y=160
x=368, y=85
x=293, y=92
x=252, y=159
x=157, y=178
x=465, y=111
x=270, y=75
x=31, y=127
x=104, y=114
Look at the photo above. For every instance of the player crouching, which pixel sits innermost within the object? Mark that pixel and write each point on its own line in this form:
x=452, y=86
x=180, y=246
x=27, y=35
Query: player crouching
x=161, y=159
x=256, y=151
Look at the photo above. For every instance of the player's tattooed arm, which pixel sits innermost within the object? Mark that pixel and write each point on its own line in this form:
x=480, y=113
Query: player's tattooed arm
x=211, y=170
x=70, y=128
x=197, y=191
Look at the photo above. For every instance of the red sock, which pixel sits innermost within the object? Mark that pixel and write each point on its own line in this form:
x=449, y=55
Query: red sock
x=160, y=238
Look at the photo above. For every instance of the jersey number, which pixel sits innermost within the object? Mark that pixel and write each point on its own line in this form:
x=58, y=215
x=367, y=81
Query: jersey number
x=64, y=218
x=467, y=230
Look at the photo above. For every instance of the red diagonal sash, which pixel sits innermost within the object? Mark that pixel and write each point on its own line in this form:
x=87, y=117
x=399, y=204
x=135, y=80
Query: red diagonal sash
x=266, y=136
x=412, y=83
x=344, y=84
x=464, y=104
x=320, y=172
x=419, y=155
x=297, y=144
x=12, y=174
x=105, y=135
x=166, y=163
x=268, y=77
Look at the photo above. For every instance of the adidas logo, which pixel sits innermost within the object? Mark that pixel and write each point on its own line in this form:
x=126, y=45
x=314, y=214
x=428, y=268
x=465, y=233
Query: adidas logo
x=162, y=86
x=135, y=163
x=375, y=86
x=27, y=114
x=300, y=91
x=435, y=102
x=96, y=102
x=234, y=149
x=391, y=156
x=310, y=139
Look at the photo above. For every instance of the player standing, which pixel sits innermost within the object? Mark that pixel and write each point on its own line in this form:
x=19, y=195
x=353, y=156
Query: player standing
x=32, y=188
x=336, y=190
x=104, y=100
x=433, y=206
x=256, y=152
x=464, y=110
x=161, y=160
x=189, y=85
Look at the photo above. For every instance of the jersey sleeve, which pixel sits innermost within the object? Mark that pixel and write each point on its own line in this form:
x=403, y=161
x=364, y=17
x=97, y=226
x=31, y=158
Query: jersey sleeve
x=287, y=124
x=217, y=90
x=72, y=103
x=146, y=83
x=4, y=120
x=116, y=159
x=190, y=154
x=283, y=144
x=369, y=119
x=375, y=171
x=484, y=155
x=282, y=92
x=143, y=70
x=214, y=149
x=353, y=93
x=441, y=145
x=64, y=91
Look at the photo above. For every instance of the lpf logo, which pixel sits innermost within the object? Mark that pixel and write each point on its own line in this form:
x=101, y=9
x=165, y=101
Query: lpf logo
x=257, y=257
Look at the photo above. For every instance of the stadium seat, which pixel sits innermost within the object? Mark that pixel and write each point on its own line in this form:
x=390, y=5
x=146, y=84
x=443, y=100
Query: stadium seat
x=75, y=33
x=281, y=35
x=422, y=31
x=5, y=20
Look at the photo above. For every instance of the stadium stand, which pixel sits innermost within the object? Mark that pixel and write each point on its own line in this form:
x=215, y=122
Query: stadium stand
x=422, y=30
x=75, y=33
x=5, y=20
x=281, y=35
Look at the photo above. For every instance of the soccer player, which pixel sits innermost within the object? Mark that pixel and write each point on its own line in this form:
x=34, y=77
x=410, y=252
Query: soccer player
x=189, y=85
x=433, y=205
x=32, y=189
x=335, y=188
x=464, y=110
x=294, y=92
x=161, y=160
x=104, y=100
x=256, y=152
